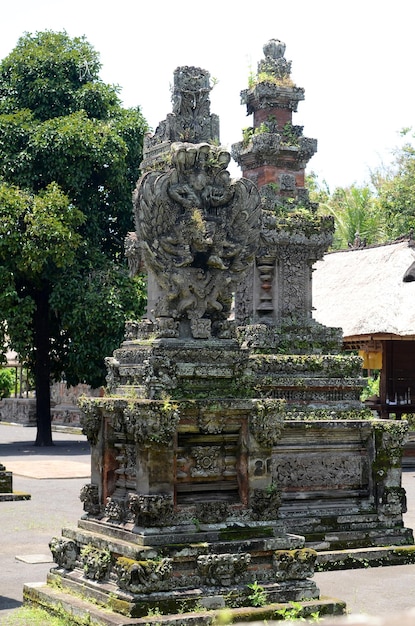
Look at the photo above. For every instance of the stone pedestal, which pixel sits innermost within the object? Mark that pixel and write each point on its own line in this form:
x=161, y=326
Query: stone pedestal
x=6, y=487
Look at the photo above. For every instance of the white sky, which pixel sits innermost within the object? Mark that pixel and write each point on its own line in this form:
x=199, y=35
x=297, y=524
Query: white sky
x=354, y=58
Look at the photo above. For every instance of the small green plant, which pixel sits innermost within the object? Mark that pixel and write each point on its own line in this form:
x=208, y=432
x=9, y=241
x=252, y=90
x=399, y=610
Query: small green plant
x=247, y=134
x=258, y=597
x=155, y=612
x=266, y=77
x=290, y=134
x=371, y=389
x=292, y=613
x=6, y=383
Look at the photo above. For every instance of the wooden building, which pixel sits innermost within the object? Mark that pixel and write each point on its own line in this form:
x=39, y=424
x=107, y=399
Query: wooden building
x=370, y=293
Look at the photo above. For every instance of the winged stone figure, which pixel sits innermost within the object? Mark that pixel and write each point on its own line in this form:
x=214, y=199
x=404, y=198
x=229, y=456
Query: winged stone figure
x=198, y=231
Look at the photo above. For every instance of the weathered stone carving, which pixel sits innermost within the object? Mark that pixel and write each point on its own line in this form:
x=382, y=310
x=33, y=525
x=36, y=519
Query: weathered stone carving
x=114, y=510
x=212, y=422
x=142, y=576
x=155, y=422
x=198, y=231
x=96, y=563
x=90, y=420
x=394, y=500
x=212, y=512
x=151, y=510
x=274, y=62
x=265, y=503
x=267, y=421
x=222, y=569
x=207, y=461
x=64, y=552
x=312, y=470
x=294, y=564
x=90, y=498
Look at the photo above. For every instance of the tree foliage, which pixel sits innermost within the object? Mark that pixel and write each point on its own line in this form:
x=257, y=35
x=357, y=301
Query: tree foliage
x=381, y=210
x=69, y=157
x=395, y=188
x=356, y=214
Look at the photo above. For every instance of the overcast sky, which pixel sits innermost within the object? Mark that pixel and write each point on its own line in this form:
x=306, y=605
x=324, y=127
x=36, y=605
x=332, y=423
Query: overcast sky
x=355, y=60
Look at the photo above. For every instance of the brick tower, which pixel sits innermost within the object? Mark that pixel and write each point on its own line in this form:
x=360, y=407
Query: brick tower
x=274, y=154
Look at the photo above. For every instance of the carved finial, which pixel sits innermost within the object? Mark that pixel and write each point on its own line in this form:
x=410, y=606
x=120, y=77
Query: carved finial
x=274, y=63
x=274, y=48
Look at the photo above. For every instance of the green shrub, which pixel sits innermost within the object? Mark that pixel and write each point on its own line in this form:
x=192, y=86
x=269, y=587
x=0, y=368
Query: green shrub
x=6, y=383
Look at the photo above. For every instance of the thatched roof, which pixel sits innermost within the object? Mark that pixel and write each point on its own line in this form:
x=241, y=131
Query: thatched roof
x=363, y=291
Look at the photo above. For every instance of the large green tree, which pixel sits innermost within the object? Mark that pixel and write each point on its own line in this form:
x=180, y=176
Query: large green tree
x=69, y=157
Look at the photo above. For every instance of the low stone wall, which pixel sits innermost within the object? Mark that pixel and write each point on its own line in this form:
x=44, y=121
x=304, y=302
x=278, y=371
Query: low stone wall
x=64, y=402
x=18, y=411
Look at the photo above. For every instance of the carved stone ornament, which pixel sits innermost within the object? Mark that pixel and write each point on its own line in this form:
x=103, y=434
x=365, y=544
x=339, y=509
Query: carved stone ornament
x=154, y=422
x=90, y=419
x=222, y=569
x=267, y=421
x=313, y=471
x=198, y=231
x=207, y=461
x=265, y=503
x=394, y=501
x=96, y=563
x=212, y=512
x=275, y=63
x=90, y=498
x=114, y=510
x=294, y=564
x=151, y=510
x=142, y=576
x=64, y=552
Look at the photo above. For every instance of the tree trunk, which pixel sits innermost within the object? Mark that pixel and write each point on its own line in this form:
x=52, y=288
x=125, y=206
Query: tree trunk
x=42, y=369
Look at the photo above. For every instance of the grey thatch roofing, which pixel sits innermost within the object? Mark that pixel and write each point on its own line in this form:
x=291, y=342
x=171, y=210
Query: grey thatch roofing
x=363, y=292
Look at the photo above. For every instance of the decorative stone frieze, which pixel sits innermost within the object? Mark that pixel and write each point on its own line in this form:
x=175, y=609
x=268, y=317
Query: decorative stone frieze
x=222, y=569
x=213, y=512
x=143, y=576
x=313, y=470
x=294, y=564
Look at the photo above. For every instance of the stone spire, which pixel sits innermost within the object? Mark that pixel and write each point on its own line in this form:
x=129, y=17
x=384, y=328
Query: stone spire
x=274, y=154
x=190, y=120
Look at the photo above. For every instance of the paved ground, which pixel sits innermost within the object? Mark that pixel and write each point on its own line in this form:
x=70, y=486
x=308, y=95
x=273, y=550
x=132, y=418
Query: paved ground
x=54, y=477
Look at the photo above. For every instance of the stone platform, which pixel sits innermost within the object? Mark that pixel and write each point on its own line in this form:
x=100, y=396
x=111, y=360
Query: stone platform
x=6, y=487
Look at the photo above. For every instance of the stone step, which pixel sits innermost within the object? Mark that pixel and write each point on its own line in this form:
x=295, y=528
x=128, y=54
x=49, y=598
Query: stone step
x=70, y=602
x=358, y=558
x=127, y=544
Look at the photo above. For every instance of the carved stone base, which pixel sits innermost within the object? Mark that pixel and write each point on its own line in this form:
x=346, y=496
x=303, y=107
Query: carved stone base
x=176, y=569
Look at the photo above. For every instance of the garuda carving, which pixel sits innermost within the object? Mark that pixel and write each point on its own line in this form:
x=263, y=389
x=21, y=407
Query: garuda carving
x=198, y=232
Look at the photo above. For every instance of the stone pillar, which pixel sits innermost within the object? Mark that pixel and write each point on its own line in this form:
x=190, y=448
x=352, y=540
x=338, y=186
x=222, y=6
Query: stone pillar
x=274, y=154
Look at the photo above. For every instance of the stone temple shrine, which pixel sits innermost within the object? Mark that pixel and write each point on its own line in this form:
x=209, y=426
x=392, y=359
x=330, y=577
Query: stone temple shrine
x=231, y=452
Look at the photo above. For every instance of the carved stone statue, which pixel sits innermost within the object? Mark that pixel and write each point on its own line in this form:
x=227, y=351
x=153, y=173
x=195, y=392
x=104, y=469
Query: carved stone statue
x=198, y=232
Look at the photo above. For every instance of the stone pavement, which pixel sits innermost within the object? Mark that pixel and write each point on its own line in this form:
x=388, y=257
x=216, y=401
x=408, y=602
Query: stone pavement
x=54, y=476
